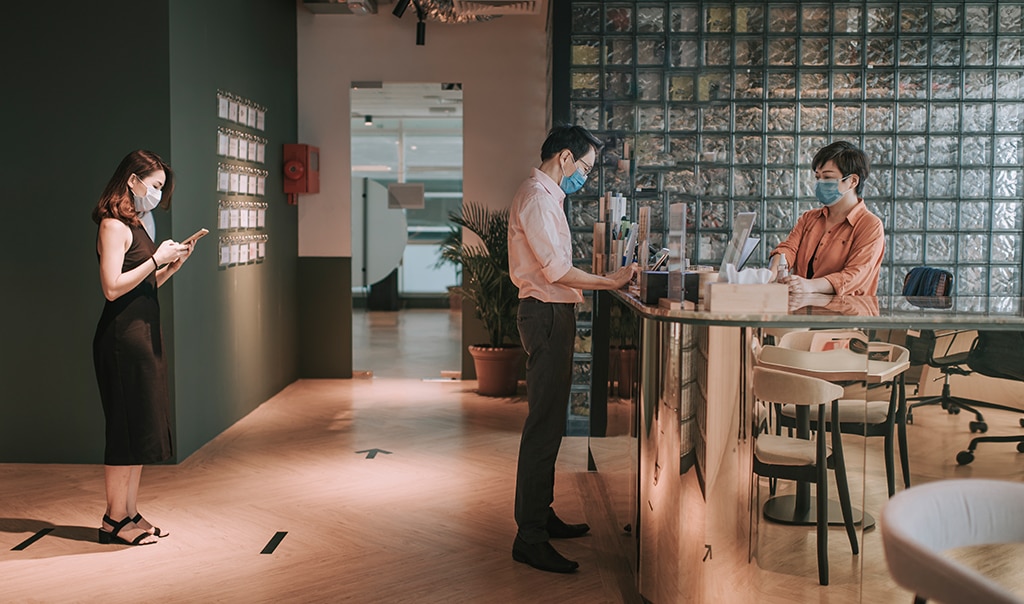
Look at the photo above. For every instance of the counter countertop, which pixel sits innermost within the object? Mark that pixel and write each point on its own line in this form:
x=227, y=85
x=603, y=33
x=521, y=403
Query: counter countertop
x=896, y=312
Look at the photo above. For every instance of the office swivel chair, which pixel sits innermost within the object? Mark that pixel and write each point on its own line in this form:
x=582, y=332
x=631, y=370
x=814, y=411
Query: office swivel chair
x=992, y=353
x=929, y=287
x=996, y=354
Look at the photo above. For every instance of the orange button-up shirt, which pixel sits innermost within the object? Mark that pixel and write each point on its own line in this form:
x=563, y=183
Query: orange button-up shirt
x=849, y=256
x=539, y=241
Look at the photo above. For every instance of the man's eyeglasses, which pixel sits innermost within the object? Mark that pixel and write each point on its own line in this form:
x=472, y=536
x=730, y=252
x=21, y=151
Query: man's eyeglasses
x=586, y=169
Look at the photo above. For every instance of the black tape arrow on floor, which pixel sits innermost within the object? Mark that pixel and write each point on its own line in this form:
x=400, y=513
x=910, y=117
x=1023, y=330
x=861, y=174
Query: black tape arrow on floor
x=371, y=453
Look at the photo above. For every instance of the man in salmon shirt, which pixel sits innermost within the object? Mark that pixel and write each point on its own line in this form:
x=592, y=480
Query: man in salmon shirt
x=835, y=249
x=540, y=264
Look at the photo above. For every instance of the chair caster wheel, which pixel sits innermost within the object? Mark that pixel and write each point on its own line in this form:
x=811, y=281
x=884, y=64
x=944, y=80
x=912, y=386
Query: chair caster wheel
x=910, y=419
x=978, y=427
x=1022, y=423
x=954, y=410
x=1020, y=447
x=964, y=457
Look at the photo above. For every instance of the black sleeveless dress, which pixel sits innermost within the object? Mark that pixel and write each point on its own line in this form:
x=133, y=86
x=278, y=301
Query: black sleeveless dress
x=131, y=371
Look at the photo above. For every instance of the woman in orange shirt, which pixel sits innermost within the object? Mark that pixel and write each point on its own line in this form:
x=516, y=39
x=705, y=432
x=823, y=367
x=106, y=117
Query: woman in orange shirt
x=835, y=249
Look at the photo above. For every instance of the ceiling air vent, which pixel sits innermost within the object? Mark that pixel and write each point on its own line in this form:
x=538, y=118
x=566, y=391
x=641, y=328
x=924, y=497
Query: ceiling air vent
x=494, y=8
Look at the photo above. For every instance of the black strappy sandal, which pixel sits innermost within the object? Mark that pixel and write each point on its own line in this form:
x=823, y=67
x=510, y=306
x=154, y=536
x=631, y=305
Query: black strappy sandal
x=156, y=530
x=107, y=538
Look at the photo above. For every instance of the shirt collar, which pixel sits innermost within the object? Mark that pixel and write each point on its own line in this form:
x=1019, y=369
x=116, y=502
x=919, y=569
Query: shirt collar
x=549, y=185
x=854, y=212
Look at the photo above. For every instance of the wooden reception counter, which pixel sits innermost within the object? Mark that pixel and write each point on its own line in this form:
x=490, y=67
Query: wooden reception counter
x=689, y=503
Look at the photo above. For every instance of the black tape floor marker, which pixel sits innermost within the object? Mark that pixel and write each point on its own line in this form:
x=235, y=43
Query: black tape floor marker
x=274, y=542
x=27, y=542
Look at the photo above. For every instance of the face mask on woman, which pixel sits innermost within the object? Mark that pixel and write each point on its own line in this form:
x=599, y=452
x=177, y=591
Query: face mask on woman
x=571, y=184
x=827, y=191
x=149, y=201
x=144, y=205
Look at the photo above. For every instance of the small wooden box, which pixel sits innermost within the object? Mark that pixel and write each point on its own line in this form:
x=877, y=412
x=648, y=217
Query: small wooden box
x=757, y=297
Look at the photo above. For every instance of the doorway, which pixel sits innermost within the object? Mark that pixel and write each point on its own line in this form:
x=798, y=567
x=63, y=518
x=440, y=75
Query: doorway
x=406, y=179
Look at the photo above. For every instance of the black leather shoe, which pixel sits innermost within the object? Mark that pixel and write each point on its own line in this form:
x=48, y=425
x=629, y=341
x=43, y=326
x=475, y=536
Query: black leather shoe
x=542, y=557
x=560, y=530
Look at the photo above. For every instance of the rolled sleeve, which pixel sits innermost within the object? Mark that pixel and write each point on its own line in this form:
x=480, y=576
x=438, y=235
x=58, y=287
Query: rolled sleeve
x=543, y=236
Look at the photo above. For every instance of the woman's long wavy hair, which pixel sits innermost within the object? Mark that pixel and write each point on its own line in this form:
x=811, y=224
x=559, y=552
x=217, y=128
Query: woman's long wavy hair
x=116, y=201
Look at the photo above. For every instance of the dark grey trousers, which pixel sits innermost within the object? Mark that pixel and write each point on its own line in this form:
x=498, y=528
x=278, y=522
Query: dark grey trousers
x=548, y=332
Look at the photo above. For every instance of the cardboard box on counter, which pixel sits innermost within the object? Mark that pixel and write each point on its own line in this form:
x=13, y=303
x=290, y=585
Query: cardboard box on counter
x=756, y=297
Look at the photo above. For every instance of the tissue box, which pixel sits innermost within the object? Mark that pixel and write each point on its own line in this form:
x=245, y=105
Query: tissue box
x=755, y=297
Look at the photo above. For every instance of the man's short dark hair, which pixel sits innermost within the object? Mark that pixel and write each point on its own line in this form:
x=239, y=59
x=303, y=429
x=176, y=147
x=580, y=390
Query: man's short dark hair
x=574, y=138
x=848, y=158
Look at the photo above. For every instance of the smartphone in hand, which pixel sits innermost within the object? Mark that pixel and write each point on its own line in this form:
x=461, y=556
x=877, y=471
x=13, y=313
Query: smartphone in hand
x=195, y=237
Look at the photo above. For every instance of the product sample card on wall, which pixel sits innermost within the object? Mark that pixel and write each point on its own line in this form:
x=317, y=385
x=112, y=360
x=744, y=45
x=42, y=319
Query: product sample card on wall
x=241, y=181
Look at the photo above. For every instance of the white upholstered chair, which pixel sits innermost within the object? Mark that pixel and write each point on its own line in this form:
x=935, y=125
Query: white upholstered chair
x=922, y=522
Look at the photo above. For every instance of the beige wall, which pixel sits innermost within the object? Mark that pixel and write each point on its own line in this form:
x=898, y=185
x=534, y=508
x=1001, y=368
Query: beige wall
x=502, y=64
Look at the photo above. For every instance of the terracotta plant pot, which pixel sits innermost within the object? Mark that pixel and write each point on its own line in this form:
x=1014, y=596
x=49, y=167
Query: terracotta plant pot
x=497, y=369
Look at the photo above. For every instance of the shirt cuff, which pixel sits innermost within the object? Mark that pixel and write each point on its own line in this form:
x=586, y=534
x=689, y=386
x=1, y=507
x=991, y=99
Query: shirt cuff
x=838, y=284
x=555, y=271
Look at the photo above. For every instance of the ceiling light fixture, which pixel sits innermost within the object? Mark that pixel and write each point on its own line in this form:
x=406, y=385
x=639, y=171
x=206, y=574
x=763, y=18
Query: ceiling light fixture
x=400, y=7
x=421, y=16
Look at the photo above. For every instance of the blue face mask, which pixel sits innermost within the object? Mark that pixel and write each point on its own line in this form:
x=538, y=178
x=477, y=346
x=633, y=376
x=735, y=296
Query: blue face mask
x=571, y=184
x=827, y=191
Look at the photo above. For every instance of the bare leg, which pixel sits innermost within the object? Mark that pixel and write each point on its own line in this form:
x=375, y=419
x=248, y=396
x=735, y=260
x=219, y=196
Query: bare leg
x=133, y=501
x=119, y=485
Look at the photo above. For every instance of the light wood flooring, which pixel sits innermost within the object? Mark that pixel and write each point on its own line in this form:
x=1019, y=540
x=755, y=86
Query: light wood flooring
x=430, y=521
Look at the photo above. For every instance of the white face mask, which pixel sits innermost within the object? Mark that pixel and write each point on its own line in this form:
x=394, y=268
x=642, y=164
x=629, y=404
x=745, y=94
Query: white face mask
x=146, y=204
x=149, y=201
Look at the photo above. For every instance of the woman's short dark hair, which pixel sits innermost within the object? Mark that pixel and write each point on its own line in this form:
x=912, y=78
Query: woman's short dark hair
x=574, y=138
x=848, y=158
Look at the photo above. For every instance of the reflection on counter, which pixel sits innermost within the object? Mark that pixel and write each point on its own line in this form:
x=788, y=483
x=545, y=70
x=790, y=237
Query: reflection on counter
x=693, y=510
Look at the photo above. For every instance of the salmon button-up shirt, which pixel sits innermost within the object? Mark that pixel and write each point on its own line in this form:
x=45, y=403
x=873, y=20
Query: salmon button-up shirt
x=849, y=255
x=539, y=241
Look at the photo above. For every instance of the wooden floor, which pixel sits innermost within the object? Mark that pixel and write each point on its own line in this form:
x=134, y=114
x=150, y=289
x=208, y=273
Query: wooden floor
x=430, y=520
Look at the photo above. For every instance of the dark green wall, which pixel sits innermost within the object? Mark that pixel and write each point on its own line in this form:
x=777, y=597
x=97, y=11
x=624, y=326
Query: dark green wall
x=235, y=331
x=325, y=317
x=84, y=84
x=80, y=90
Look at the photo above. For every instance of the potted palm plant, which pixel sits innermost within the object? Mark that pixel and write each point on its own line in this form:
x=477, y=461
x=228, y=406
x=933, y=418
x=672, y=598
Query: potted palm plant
x=448, y=252
x=487, y=286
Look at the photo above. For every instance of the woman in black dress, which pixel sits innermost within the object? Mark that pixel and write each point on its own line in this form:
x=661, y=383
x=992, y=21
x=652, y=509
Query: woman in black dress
x=128, y=347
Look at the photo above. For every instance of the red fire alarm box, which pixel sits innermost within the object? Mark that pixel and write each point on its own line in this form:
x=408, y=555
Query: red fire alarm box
x=301, y=171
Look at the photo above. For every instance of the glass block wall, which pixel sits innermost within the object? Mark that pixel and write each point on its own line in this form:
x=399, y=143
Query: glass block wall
x=578, y=418
x=723, y=104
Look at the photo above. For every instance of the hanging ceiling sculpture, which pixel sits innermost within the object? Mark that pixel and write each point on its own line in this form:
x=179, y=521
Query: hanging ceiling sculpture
x=443, y=11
